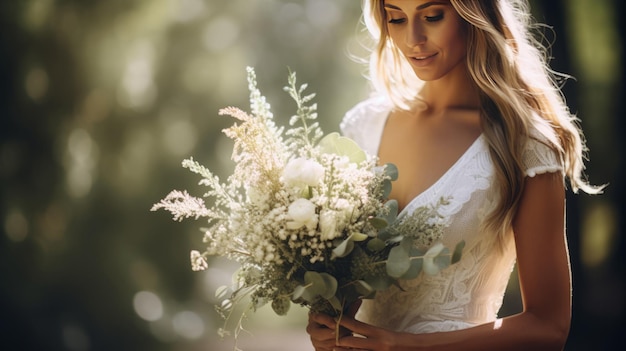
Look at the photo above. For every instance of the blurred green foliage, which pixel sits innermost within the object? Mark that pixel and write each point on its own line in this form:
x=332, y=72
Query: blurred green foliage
x=102, y=99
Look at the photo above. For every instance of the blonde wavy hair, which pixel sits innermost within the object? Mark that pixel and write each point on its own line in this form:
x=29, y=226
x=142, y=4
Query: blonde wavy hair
x=518, y=90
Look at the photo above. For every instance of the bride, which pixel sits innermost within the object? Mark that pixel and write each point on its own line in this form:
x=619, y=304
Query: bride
x=468, y=110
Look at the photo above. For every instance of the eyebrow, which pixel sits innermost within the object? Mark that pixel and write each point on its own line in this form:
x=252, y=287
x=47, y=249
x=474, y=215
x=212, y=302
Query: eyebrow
x=420, y=7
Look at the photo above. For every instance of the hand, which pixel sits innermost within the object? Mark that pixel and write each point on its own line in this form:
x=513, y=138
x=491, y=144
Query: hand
x=364, y=337
x=322, y=329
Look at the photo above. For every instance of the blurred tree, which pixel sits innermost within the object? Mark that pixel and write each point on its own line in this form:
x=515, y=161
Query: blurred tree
x=102, y=99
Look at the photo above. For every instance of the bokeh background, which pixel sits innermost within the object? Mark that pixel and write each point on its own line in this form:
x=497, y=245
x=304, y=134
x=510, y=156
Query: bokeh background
x=100, y=100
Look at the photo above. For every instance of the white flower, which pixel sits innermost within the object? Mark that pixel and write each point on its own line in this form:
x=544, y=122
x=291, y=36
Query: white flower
x=198, y=263
x=255, y=196
x=302, y=171
x=302, y=213
x=328, y=225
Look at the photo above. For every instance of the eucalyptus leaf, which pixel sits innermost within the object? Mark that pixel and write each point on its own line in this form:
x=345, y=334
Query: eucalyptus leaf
x=398, y=262
x=356, y=236
x=415, y=268
x=392, y=171
x=314, y=282
x=458, y=251
x=334, y=301
x=386, y=188
x=343, y=249
x=330, y=285
x=301, y=293
x=379, y=282
x=378, y=222
x=430, y=266
x=392, y=210
x=334, y=143
x=442, y=261
x=376, y=245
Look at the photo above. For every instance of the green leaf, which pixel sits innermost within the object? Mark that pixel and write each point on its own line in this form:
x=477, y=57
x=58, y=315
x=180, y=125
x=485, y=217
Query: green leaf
x=442, y=261
x=376, y=245
x=315, y=283
x=386, y=188
x=392, y=171
x=416, y=263
x=458, y=251
x=343, y=249
x=301, y=293
x=398, y=262
x=334, y=301
x=392, y=210
x=380, y=283
x=430, y=266
x=356, y=236
x=330, y=285
x=334, y=143
x=378, y=223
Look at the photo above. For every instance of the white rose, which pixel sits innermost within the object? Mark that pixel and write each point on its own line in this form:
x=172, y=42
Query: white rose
x=302, y=212
x=302, y=171
x=328, y=225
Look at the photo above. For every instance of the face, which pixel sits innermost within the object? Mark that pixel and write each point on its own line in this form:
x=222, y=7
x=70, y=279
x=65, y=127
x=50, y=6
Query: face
x=430, y=34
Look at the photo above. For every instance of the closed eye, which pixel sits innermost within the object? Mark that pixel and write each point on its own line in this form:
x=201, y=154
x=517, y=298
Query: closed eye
x=397, y=20
x=434, y=18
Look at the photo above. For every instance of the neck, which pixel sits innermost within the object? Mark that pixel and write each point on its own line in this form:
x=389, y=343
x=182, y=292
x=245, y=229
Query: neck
x=454, y=91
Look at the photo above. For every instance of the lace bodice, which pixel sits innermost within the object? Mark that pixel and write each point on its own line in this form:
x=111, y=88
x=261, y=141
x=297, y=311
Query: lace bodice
x=471, y=291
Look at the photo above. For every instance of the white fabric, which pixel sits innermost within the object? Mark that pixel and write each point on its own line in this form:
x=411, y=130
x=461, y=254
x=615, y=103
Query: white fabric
x=471, y=291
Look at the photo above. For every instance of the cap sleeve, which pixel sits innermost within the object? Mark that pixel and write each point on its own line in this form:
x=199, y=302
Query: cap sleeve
x=364, y=123
x=540, y=157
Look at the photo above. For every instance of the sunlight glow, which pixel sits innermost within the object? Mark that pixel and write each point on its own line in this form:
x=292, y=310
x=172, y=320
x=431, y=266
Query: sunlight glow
x=599, y=232
x=36, y=83
x=138, y=90
x=15, y=225
x=80, y=162
x=188, y=325
x=220, y=33
x=148, y=306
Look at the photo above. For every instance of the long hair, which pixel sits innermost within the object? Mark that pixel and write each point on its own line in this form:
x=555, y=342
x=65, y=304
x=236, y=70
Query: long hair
x=519, y=92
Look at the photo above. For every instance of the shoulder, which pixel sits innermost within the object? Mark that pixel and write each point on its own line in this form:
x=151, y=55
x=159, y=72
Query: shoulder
x=542, y=152
x=371, y=110
x=364, y=122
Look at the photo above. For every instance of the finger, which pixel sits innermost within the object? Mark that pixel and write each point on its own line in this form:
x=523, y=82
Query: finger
x=353, y=343
x=322, y=319
x=357, y=327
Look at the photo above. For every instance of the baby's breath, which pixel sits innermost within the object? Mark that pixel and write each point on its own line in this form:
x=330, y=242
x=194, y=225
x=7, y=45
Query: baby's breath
x=301, y=215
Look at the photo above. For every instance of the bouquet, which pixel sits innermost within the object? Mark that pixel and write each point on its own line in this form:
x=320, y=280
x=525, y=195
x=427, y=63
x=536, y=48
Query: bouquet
x=306, y=215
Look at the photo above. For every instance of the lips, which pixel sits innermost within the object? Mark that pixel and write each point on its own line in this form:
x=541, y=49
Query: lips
x=421, y=57
x=422, y=60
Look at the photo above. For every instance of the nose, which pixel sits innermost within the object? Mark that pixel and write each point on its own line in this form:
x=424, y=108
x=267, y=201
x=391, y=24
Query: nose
x=415, y=34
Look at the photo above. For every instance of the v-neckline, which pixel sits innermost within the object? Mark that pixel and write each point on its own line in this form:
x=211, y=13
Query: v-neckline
x=467, y=153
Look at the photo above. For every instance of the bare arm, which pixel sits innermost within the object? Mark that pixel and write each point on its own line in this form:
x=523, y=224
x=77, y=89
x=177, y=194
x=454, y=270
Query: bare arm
x=545, y=279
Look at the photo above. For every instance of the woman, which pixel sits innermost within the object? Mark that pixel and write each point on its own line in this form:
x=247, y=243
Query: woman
x=470, y=111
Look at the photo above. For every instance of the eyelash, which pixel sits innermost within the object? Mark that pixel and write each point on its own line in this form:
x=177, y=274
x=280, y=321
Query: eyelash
x=427, y=18
x=434, y=18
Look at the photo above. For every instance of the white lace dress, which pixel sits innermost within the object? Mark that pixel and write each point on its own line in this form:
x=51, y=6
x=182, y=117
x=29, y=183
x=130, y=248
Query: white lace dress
x=471, y=291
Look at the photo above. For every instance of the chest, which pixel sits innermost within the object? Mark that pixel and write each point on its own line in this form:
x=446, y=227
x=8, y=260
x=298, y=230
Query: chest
x=424, y=150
